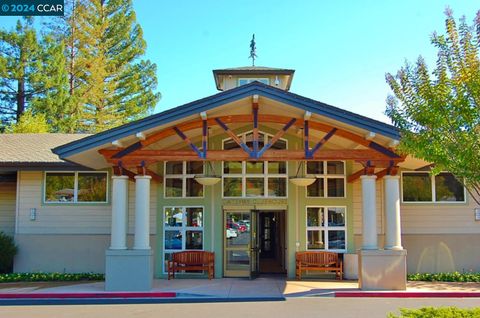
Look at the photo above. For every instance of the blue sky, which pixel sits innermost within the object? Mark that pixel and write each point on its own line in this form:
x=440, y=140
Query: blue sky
x=340, y=50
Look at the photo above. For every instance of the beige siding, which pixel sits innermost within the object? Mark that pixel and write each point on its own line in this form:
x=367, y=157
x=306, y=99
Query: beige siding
x=64, y=219
x=448, y=218
x=7, y=206
x=357, y=207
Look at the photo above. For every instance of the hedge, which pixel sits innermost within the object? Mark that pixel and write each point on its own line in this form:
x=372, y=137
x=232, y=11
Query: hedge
x=445, y=277
x=49, y=277
x=442, y=312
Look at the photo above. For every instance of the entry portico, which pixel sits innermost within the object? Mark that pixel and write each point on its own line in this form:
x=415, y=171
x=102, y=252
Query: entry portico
x=258, y=136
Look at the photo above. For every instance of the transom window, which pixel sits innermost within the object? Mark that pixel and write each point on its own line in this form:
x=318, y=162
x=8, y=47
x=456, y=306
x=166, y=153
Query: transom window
x=330, y=182
x=326, y=228
x=420, y=186
x=179, y=179
x=183, y=230
x=76, y=187
x=243, y=81
x=255, y=179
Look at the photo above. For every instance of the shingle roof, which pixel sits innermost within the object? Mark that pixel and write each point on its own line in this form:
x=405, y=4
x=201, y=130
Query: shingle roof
x=33, y=149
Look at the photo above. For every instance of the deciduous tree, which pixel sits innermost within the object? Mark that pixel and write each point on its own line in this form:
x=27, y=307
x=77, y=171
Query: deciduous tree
x=438, y=112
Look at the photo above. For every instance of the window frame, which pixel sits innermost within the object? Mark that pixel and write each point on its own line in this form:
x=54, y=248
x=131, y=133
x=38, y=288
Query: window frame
x=75, y=188
x=183, y=229
x=265, y=175
x=434, y=193
x=184, y=176
x=251, y=79
x=325, y=176
x=326, y=228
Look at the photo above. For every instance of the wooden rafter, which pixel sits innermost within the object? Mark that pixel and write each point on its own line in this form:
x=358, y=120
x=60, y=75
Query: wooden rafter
x=234, y=137
x=151, y=156
x=276, y=137
x=118, y=170
x=189, y=142
x=321, y=143
x=265, y=118
x=142, y=170
x=390, y=170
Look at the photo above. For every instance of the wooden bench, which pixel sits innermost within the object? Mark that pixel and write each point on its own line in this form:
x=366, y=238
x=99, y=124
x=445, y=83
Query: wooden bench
x=191, y=261
x=318, y=261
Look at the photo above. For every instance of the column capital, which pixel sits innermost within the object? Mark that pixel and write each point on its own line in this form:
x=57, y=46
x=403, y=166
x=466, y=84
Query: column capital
x=367, y=177
x=142, y=177
x=119, y=177
x=392, y=177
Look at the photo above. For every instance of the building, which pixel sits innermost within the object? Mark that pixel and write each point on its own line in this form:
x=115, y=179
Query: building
x=121, y=201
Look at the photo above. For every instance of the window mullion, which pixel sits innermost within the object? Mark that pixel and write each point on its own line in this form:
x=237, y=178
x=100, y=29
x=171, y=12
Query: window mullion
x=75, y=188
x=434, y=190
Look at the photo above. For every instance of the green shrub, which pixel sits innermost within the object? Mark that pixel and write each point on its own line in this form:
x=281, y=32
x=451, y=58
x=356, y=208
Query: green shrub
x=445, y=277
x=442, y=312
x=8, y=249
x=49, y=277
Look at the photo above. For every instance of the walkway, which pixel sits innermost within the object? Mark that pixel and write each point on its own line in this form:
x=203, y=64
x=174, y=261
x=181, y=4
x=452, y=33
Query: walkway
x=231, y=288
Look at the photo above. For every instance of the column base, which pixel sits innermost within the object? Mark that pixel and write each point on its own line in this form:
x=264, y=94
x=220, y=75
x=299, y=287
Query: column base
x=128, y=270
x=382, y=269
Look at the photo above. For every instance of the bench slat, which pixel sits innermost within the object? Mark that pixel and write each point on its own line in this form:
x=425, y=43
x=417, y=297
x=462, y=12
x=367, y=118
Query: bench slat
x=318, y=261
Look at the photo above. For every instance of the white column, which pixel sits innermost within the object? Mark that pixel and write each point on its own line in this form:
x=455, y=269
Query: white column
x=369, y=207
x=393, y=238
x=119, y=213
x=142, y=213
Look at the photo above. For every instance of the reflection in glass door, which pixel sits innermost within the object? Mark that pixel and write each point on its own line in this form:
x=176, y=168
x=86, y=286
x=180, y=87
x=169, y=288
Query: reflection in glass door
x=237, y=244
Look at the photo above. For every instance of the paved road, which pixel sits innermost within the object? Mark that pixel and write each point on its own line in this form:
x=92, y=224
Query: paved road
x=292, y=308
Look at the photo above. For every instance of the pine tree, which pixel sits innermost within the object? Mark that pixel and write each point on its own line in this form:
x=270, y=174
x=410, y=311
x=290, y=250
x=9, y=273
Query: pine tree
x=20, y=69
x=119, y=85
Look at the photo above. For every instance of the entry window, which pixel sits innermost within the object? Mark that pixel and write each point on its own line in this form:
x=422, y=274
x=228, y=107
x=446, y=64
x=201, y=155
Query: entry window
x=179, y=179
x=422, y=187
x=326, y=228
x=254, y=179
x=76, y=187
x=182, y=229
x=330, y=182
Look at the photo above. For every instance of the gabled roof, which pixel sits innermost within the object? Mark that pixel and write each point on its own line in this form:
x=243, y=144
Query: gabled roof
x=34, y=150
x=223, y=98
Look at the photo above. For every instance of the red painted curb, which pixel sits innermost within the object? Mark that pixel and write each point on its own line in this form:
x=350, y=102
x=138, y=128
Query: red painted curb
x=89, y=295
x=409, y=294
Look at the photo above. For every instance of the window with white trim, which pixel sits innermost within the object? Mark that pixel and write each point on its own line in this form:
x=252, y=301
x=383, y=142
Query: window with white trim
x=179, y=179
x=76, y=187
x=182, y=230
x=330, y=182
x=255, y=178
x=420, y=186
x=326, y=228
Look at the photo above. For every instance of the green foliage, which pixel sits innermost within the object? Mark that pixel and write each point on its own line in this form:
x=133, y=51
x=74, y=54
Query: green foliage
x=438, y=113
x=49, y=277
x=20, y=70
x=445, y=277
x=8, y=250
x=442, y=312
x=29, y=123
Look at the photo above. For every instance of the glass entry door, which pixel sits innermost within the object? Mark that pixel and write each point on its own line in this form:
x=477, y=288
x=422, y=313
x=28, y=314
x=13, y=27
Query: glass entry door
x=240, y=244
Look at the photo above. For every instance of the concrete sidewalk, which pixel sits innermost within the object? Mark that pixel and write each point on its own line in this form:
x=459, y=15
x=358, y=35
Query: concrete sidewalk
x=238, y=288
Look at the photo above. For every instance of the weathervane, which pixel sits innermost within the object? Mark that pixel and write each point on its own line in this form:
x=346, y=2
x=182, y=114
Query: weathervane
x=253, y=50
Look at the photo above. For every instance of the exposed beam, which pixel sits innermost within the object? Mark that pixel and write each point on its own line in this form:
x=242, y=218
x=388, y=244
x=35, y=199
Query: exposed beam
x=234, y=137
x=141, y=136
x=142, y=170
x=189, y=142
x=121, y=171
x=238, y=155
x=321, y=142
x=277, y=136
x=126, y=151
x=268, y=118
